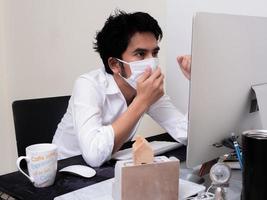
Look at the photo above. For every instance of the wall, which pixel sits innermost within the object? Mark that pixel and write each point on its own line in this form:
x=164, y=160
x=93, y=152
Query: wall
x=45, y=45
x=7, y=138
x=179, y=28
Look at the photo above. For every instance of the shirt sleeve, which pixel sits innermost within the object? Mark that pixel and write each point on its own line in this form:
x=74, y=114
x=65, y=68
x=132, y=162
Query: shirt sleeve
x=95, y=139
x=170, y=118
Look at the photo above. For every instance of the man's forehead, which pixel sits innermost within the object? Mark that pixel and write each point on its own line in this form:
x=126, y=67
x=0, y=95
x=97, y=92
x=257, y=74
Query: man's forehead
x=143, y=41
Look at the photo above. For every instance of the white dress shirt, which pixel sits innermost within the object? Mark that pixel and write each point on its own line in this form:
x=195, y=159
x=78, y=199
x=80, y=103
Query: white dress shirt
x=96, y=102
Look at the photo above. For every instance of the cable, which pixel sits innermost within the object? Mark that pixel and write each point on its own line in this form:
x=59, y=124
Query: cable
x=203, y=196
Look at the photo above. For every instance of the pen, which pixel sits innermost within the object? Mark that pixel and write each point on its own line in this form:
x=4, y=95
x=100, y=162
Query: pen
x=237, y=150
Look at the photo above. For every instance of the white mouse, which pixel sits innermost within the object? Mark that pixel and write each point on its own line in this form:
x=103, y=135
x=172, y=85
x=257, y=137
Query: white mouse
x=80, y=170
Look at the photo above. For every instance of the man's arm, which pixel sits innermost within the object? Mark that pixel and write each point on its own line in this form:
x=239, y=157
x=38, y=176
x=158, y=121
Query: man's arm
x=169, y=118
x=149, y=90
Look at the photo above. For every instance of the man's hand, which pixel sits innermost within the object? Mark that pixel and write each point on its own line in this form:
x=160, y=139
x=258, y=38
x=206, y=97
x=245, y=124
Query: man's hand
x=185, y=65
x=150, y=87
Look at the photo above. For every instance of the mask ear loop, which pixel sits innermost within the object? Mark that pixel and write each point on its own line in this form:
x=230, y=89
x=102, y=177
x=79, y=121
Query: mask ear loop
x=123, y=74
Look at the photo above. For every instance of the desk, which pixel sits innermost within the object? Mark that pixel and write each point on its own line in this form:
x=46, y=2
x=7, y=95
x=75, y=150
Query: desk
x=19, y=187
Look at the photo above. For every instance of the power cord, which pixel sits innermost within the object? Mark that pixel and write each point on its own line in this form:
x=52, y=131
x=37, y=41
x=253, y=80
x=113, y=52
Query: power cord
x=203, y=196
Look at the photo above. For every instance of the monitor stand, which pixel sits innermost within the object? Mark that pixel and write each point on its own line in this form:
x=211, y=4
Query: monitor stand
x=261, y=96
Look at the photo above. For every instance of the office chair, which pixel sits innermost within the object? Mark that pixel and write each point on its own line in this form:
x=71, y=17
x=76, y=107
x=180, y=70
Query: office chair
x=36, y=120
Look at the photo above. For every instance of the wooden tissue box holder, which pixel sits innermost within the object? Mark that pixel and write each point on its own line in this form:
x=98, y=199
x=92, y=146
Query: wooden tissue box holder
x=156, y=181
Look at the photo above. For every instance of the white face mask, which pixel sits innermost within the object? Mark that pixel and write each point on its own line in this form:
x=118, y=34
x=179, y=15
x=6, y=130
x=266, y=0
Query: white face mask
x=139, y=67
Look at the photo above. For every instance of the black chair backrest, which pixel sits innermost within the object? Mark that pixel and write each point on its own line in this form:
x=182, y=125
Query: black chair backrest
x=36, y=120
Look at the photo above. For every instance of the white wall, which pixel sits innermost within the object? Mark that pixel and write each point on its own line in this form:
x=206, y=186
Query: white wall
x=45, y=45
x=7, y=138
x=179, y=29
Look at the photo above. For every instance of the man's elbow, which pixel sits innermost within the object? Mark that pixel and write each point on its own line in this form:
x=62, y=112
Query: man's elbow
x=94, y=160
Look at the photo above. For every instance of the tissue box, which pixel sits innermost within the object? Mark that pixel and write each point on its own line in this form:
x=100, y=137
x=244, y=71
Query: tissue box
x=158, y=180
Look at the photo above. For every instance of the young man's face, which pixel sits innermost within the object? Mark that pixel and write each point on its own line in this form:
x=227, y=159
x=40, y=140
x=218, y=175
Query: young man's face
x=141, y=46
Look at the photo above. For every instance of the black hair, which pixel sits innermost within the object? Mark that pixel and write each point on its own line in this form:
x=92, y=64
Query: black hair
x=119, y=28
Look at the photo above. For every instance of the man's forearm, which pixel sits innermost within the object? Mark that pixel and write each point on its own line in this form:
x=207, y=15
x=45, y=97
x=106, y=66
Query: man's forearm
x=125, y=123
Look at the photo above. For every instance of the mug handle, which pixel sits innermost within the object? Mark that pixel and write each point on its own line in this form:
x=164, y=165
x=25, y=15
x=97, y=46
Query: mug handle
x=18, y=166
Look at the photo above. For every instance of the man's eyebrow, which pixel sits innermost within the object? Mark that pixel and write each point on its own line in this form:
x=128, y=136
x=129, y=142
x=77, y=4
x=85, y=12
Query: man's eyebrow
x=144, y=50
x=157, y=49
x=140, y=50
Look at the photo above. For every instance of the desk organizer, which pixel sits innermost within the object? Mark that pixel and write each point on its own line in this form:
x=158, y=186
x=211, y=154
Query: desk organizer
x=158, y=180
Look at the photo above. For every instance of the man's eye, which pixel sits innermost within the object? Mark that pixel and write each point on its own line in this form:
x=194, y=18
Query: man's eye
x=155, y=54
x=140, y=54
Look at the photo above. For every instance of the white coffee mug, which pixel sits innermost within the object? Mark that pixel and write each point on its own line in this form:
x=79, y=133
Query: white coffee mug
x=41, y=163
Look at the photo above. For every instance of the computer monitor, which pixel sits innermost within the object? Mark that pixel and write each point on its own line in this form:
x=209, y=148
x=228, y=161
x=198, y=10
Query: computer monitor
x=229, y=55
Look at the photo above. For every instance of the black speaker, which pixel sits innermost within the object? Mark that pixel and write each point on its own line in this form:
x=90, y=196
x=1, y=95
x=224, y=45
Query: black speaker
x=254, y=152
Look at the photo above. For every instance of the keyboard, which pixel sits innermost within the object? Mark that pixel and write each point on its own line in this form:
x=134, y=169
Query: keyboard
x=159, y=147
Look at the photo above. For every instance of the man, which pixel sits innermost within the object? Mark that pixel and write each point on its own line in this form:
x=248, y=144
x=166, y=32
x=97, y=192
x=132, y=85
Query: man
x=107, y=104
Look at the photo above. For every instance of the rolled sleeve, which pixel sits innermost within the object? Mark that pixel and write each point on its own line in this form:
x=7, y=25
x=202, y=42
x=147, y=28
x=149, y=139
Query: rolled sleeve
x=95, y=139
x=97, y=145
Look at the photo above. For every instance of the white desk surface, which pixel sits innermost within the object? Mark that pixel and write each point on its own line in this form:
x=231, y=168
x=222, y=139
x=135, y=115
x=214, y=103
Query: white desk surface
x=105, y=190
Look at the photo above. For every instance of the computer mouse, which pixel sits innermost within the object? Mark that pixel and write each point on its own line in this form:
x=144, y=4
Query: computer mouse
x=79, y=170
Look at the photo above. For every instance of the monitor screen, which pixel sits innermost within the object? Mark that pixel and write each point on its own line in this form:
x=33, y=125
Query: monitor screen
x=229, y=55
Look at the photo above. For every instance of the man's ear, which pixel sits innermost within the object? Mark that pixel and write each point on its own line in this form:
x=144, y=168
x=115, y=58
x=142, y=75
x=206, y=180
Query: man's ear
x=114, y=65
